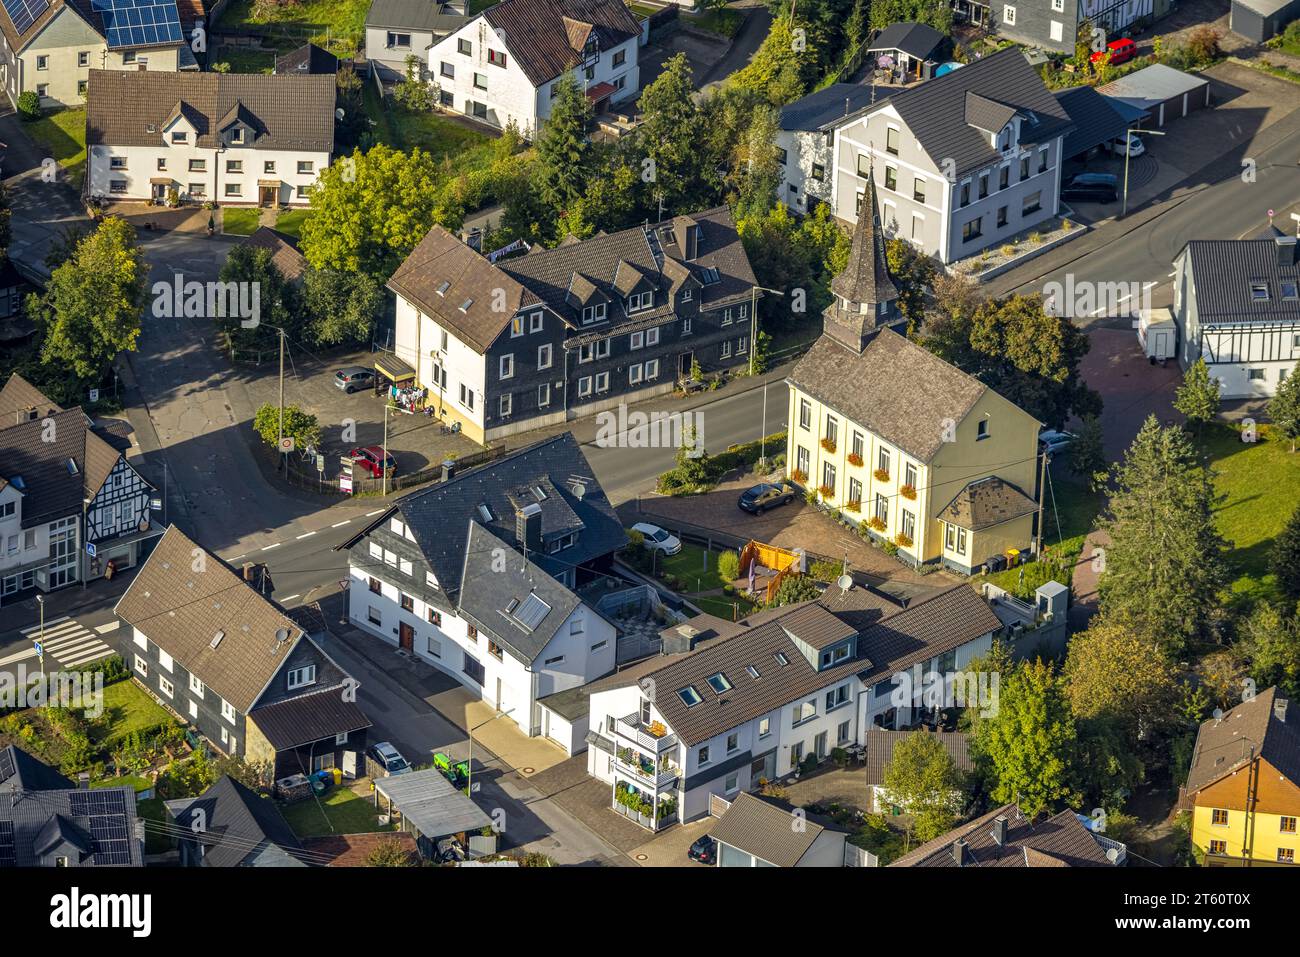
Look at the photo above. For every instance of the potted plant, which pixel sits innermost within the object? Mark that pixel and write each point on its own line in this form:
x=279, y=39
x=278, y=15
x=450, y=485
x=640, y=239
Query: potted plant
x=908, y=491
x=882, y=475
x=798, y=476
x=828, y=444
x=855, y=459
x=904, y=541
x=877, y=523
x=826, y=491
x=853, y=506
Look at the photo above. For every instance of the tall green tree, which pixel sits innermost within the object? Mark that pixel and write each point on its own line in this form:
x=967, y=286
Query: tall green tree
x=562, y=153
x=1271, y=644
x=279, y=304
x=669, y=136
x=92, y=306
x=1087, y=457
x=1164, y=568
x=1111, y=672
x=340, y=307
x=913, y=271
x=1284, y=408
x=1284, y=559
x=1198, y=396
x=1028, y=747
x=369, y=210
x=922, y=778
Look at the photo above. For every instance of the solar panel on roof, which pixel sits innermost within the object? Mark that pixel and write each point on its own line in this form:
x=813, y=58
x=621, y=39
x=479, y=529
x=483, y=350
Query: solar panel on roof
x=6, y=765
x=8, y=857
x=138, y=23
x=531, y=612
x=109, y=825
x=23, y=13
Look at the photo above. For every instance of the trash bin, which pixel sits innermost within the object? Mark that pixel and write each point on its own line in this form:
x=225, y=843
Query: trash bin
x=337, y=774
x=1013, y=557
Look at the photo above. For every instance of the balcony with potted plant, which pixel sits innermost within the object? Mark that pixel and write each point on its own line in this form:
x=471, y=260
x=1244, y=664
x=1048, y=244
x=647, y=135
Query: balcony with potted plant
x=881, y=475
x=908, y=492
x=829, y=445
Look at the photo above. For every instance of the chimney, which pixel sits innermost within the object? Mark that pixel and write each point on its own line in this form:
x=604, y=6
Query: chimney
x=528, y=526
x=1286, y=250
x=959, y=852
x=680, y=640
x=248, y=571
x=448, y=469
x=83, y=781
x=1279, y=709
x=1000, y=830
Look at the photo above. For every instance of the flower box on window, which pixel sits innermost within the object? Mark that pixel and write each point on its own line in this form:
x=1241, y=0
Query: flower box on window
x=826, y=491
x=882, y=475
x=853, y=506
x=799, y=475
x=903, y=541
x=855, y=459
x=828, y=445
x=908, y=491
x=877, y=523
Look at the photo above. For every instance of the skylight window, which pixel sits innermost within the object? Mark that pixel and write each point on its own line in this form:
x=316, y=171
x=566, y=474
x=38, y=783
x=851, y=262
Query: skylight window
x=690, y=697
x=1259, y=291
x=1289, y=290
x=464, y=306
x=709, y=275
x=719, y=683
x=781, y=659
x=753, y=672
x=485, y=513
x=531, y=613
x=539, y=493
x=443, y=287
x=72, y=467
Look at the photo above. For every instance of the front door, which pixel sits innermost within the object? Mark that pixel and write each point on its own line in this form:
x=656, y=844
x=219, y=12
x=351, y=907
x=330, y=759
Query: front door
x=819, y=745
x=160, y=192
x=349, y=764
x=684, y=363
x=405, y=636
x=267, y=197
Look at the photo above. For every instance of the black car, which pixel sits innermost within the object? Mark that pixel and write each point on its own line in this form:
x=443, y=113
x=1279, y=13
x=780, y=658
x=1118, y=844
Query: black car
x=704, y=850
x=1089, y=192
x=762, y=497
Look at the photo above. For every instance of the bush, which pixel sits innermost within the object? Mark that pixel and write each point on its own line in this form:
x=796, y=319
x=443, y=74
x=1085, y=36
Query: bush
x=29, y=105
x=728, y=566
x=824, y=571
x=1203, y=44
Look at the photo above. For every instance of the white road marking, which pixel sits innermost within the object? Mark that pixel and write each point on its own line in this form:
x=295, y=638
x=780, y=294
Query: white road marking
x=378, y=511
x=341, y=524
x=105, y=629
x=308, y=535
x=267, y=548
x=289, y=597
x=68, y=642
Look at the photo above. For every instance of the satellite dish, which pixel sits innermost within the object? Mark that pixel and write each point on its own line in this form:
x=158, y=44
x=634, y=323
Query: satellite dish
x=338, y=114
x=282, y=635
x=579, y=490
x=845, y=582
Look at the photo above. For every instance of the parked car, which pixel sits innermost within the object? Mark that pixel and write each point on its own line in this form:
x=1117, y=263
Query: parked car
x=657, y=540
x=1053, y=442
x=354, y=379
x=1089, y=193
x=1121, y=51
x=1094, y=179
x=372, y=459
x=704, y=850
x=389, y=758
x=1135, y=146
x=761, y=497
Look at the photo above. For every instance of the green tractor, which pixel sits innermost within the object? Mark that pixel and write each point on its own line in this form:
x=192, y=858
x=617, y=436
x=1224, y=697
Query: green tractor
x=457, y=774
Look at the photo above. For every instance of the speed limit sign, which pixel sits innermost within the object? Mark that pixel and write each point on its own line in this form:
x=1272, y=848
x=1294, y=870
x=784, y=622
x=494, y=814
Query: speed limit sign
x=286, y=444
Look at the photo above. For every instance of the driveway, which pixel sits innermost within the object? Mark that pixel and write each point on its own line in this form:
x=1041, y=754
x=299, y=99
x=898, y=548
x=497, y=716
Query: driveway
x=1131, y=389
x=21, y=153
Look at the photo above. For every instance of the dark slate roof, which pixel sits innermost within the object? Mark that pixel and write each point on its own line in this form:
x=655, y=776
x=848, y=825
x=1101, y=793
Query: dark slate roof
x=864, y=387
x=936, y=624
x=1223, y=270
x=987, y=502
x=880, y=745
x=578, y=503
x=1251, y=729
x=817, y=110
x=487, y=591
x=52, y=488
x=1057, y=841
x=748, y=697
x=1096, y=119
x=309, y=717
x=307, y=59
x=915, y=39
x=425, y=15
x=284, y=251
x=239, y=822
x=291, y=112
x=183, y=610
x=20, y=396
x=865, y=277
x=44, y=816
x=766, y=830
x=573, y=274
x=946, y=126
x=554, y=31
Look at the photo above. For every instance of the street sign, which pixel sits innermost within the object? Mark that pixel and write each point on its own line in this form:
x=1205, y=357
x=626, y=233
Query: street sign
x=155, y=503
x=345, y=483
x=320, y=462
x=344, y=584
x=286, y=444
x=40, y=649
x=90, y=549
x=94, y=395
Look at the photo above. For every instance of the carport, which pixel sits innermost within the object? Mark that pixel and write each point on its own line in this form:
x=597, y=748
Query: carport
x=1160, y=92
x=1097, y=120
x=430, y=807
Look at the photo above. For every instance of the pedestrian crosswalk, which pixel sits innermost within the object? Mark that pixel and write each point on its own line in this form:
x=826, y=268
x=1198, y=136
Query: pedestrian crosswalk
x=69, y=642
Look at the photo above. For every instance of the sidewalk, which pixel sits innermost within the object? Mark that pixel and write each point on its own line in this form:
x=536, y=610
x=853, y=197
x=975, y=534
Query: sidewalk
x=74, y=600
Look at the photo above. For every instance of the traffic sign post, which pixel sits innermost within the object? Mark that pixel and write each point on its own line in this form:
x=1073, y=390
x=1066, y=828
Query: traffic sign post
x=343, y=587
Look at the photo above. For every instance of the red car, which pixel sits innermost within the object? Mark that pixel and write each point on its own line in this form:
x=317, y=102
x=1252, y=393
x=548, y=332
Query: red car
x=373, y=460
x=1121, y=51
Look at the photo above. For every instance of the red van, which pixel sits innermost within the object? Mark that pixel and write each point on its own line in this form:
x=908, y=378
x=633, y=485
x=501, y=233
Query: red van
x=1121, y=51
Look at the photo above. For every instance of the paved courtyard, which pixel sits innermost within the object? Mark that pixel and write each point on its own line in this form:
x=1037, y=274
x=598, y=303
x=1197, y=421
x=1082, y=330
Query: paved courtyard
x=1131, y=388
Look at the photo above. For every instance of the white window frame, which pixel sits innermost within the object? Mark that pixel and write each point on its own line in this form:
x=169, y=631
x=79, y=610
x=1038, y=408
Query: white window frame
x=506, y=366
x=544, y=356
x=301, y=677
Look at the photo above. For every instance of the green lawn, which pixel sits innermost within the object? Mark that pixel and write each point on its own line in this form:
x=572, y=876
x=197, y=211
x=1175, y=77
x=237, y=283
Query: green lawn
x=642, y=9
x=127, y=708
x=438, y=135
x=62, y=133
x=246, y=61
x=1070, y=514
x=1259, y=485
x=240, y=221
x=695, y=567
x=322, y=18
x=725, y=21
x=290, y=223
x=723, y=606
x=344, y=813
x=134, y=781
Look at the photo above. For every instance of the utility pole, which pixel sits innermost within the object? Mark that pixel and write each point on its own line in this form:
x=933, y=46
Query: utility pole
x=383, y=466
x=469, y=775
x=277, y=445
x=1042, y=493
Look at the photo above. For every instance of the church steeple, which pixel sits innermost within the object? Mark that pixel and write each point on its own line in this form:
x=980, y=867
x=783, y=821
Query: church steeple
x=866, y=298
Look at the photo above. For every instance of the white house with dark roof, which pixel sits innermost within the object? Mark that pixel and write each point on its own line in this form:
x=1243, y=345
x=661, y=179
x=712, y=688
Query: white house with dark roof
x=238, y=139
x=397, y=29
x=481, y=575
x=536, y=340
x=503, y=66
x=1237, y=305
x=50, y=46
x=805, y=142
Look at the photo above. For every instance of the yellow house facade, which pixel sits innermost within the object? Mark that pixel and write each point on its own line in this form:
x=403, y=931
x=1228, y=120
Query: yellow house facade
x=1243, y=787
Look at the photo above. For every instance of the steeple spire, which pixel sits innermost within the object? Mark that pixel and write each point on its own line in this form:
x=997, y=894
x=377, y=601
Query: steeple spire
x=865, y=295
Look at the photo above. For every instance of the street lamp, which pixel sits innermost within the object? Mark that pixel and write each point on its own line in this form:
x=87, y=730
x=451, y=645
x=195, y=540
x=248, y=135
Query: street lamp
x=469, y=777
x=1128, y=148
x=753, y=321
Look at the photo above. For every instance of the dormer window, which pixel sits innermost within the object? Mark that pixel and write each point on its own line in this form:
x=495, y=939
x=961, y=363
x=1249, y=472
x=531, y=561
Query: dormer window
x=1259, y=291
x=594, y=313
x=640, y=301
x=237, y=135
x=180, y=136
